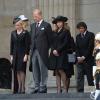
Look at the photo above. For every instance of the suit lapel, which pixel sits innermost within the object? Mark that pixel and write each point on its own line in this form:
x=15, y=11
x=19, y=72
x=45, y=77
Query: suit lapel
x=41, y=25
x=83, y=38
x=33, y=30
x=86, y=34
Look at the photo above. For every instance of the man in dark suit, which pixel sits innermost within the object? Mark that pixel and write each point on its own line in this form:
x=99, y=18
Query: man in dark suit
x=41, y=38
x=84, y=50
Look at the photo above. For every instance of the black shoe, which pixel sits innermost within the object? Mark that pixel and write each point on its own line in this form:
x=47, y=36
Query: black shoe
x=19, y=91
x=43, y=91
x=80, y=91
x=35, y=91
x=22, y=92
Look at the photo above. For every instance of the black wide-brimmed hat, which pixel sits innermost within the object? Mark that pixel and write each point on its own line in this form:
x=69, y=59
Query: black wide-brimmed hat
x=59, y=18
x=16, y=19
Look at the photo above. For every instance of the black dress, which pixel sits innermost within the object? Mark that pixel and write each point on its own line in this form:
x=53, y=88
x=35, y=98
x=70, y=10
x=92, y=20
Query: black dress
x=18, y=48
x=61, y=43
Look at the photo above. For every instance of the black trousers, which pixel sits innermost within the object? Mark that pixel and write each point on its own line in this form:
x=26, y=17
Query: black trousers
x=84, y=69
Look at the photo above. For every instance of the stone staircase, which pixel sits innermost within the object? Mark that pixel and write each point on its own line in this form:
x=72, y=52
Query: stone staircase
x=72, y=95
x=52, y=84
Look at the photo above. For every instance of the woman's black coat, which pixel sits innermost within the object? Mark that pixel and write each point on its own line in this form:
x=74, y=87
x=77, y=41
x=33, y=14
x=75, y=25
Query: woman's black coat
x=19, y=47
x=62, y=44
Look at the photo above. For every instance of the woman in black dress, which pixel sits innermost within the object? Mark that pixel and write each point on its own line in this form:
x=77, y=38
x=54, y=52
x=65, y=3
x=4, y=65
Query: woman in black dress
x=58, y=55
x=19, y=50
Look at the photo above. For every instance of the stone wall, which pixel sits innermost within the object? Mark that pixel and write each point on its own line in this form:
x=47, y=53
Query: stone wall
x=89, y=12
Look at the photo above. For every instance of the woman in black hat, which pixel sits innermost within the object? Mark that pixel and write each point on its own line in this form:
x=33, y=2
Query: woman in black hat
x=19, y=50
x=58, y=55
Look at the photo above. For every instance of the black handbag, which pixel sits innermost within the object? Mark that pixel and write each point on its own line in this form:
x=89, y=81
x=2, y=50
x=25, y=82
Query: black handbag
x=51, y=64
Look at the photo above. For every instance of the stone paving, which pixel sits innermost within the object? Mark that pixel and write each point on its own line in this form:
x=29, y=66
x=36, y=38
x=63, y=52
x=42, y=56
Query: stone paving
x=50, y=96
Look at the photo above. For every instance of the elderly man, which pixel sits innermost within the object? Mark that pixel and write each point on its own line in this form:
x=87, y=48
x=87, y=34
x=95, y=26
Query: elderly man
x=41, y=37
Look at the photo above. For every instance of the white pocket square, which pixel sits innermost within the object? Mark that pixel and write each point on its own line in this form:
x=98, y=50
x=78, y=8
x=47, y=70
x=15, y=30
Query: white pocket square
x=42, y=28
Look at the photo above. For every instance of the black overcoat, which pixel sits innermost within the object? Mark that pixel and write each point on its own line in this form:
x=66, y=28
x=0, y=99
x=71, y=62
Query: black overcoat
x=85, y=47
x=62, y=44
x=19, y=46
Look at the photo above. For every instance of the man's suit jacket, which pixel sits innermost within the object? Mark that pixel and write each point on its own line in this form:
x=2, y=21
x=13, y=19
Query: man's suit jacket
x=41, y=39
x=85, y=45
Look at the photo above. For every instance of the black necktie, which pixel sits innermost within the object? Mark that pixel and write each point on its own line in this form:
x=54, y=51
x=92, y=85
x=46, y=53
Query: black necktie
x=37, y=26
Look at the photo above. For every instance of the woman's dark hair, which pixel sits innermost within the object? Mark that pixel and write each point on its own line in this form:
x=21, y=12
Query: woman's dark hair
x=81, y=24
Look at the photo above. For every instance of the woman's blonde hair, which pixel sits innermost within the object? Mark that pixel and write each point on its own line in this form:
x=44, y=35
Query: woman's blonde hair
x=20, y=22
x=24, y=24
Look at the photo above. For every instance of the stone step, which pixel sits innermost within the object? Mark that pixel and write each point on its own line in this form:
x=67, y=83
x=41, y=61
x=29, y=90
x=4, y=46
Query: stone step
x=51, y=80
x=49, y=96
x=52, y=84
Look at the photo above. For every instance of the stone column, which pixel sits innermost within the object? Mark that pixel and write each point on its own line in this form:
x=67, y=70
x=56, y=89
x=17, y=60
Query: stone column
x=68, y=8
